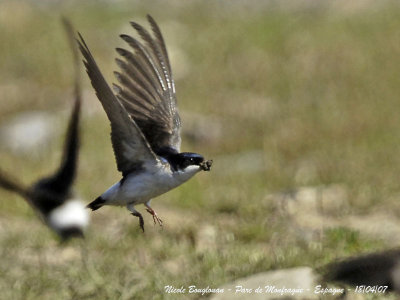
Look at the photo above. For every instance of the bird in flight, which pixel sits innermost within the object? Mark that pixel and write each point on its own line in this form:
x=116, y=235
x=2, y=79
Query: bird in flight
x=145, y=123
x=51, y=197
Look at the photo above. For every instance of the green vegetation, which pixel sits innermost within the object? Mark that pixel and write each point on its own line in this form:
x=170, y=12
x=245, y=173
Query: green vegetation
x=314, y=88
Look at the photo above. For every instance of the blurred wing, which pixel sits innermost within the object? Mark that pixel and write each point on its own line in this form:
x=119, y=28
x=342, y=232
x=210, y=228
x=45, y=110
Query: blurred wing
x=12, y=185
x=130, y=146
x=62, y=180
x=147, y=88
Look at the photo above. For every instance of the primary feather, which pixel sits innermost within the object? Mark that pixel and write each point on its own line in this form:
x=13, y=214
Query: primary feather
x=130, y=146
x=147, y=88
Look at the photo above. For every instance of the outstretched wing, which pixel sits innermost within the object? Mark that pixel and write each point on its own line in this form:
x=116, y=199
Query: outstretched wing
x=60, y=183
x=10, y=184
x=147, y=89
x=131, y=148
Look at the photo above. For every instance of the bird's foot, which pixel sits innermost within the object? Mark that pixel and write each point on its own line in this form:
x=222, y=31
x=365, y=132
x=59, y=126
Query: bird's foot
x=141, y=222
x=156, y=219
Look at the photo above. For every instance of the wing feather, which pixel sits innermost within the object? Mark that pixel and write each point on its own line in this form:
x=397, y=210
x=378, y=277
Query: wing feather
x=130, y=146
x=141, y=75
x=63, y=178
x=160, y=40
x=149, y=72
x=12, y=185
x=155, y=50
x=146, y=95
x=142, y=55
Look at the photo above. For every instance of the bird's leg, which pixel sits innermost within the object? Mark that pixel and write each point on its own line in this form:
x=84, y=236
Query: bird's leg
x=153, y=213
x=141, y=221
x=135, y=213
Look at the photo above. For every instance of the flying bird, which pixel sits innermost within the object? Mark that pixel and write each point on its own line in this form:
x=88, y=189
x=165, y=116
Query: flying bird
x=51, y=197
x=376, y=269
x=145, y=123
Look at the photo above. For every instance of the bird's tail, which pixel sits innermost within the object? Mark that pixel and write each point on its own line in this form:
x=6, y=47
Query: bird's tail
x=96, y=204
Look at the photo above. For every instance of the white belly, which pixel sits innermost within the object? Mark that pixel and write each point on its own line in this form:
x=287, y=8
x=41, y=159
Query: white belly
x=139, y=188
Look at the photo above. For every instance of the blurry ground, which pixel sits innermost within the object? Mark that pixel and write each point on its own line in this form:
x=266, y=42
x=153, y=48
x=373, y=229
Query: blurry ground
x=288, y=98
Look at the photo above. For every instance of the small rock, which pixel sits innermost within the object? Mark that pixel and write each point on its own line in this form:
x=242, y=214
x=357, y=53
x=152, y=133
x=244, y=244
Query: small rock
x=302, y=279
x=206, y=238
x=380, y=225
x=28, y=132
x=331, y=199
x=306, y=172
x=176, y=265
x=312, y=209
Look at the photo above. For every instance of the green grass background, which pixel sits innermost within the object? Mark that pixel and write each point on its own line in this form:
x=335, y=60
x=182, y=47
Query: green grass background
x=314, y=84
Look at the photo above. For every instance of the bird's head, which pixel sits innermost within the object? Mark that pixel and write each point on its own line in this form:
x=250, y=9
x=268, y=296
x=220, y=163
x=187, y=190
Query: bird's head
x=188, y=160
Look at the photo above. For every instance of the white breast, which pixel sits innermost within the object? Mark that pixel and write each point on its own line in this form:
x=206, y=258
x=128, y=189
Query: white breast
x=141, y=187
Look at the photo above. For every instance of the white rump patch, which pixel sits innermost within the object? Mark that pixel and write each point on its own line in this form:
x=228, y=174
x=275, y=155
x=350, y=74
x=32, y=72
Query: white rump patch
x=71, y=214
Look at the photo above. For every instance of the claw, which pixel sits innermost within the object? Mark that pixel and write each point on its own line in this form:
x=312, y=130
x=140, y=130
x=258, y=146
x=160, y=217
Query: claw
x=156, y=219
x=141, y=222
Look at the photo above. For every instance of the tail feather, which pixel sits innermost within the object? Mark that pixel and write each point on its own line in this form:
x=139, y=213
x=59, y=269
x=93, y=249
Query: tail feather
x=96, y=204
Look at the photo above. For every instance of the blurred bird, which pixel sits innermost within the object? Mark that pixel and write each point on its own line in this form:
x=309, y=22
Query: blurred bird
x=376, y=269
x=145, y=124
x=51, y=197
